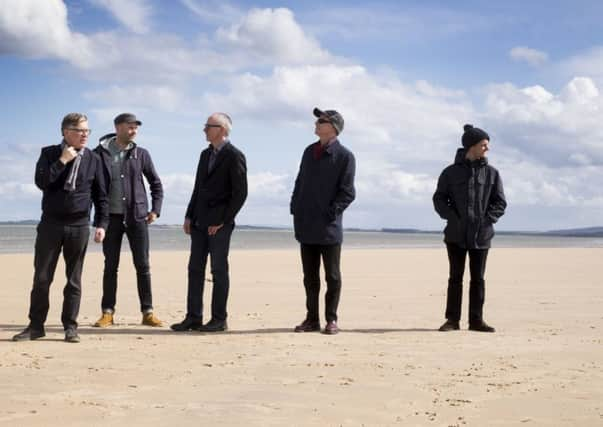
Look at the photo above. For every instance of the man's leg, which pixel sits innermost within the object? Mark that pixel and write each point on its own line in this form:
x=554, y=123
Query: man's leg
x=138, y=237
x=111, y=251
x=310, y=257
x=456, y=259
x=477, y=268
x=74, y=251
x=196, y=273
x=49, y=240
x=219, y=245
x=331, y=255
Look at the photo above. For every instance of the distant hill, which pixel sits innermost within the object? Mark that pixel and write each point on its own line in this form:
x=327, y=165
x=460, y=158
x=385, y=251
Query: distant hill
x=578, y=232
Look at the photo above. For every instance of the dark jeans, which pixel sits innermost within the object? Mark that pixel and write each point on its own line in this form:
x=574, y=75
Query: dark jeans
x=310, y=255
x=138, y=237
x=477, y=268
x=217, y=247
x=50, y=239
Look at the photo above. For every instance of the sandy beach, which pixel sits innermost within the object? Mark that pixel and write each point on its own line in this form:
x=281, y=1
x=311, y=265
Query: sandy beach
x=388, y=366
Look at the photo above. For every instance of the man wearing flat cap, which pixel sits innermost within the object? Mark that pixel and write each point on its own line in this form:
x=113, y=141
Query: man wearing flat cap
x=324, y=188
x=124, y=165
x=470, y=197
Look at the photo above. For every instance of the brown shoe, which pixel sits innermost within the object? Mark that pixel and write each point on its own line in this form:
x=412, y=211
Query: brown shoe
x=105, y=320
x=149, y=319
x=481, y=326
x=331, y=328
x=308, y=326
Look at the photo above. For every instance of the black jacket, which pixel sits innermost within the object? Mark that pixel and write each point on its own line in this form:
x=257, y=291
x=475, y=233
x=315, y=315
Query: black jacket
x=137, y=163
x=218, y=194
x=324, y=188
x=470, y=197
x=60, y=206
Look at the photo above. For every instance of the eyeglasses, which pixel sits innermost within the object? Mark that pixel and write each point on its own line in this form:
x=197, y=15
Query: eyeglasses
x=323, y=121
x=207, y=125
x=81, y=131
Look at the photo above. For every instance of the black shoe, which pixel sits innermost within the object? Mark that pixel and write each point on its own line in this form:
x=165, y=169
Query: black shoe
x=308, y=326
x=450, y=325
x=214, y=326
x=187, y=325
x=29, y=333
x=481, y=327
x=71, y=336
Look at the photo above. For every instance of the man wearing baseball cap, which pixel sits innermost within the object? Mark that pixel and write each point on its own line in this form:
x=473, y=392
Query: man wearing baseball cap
x=124, y=165
x=324, y=188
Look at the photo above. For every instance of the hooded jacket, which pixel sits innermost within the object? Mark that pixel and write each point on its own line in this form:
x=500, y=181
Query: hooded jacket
x=470, y=197
x=137, y=163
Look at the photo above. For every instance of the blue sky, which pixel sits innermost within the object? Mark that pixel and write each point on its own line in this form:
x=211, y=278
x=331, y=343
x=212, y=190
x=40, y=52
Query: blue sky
x=406, y=76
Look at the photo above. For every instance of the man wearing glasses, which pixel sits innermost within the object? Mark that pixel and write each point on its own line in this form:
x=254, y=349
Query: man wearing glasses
x=70, y=177
x=125, y=164
x=219, y=193
x=324, y=188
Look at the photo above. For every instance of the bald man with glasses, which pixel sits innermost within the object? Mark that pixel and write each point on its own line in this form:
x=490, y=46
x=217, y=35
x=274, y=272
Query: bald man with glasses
x=219, y=193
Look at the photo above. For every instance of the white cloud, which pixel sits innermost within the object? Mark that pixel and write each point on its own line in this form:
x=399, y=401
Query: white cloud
x=38, y=29
x=528, y=55
x=135, y=15
x=273, y=36
x=213, y=11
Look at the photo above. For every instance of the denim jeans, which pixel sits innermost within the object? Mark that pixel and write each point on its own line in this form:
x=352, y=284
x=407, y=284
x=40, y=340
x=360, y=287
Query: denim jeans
x=50, y=240
x=310, y=256
x=477, y=267
x=217, y=247
x=138, y=237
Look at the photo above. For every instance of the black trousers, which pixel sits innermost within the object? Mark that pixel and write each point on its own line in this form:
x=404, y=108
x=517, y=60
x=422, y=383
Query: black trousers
x=50, y=240
x=138, y=237
x=217, y=247
x=310, y=256
x=477, y=267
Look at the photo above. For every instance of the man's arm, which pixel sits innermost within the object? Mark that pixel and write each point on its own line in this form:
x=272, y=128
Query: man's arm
x=346, y=193
x=441, y=198
x=148, y=170
x=48, y=170
x=238, y=179
x=498, y=202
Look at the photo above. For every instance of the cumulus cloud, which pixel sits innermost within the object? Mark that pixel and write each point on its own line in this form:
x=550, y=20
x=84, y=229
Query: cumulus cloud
x=135, y=15
x=528, y=55
x=273, y=36
x=38, y=29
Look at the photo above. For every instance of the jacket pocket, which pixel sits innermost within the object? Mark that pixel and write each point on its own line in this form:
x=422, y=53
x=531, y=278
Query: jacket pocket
x=140, y=210
x=485, y=233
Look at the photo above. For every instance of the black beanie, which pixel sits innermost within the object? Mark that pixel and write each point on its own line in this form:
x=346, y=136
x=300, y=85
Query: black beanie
x=473, y=135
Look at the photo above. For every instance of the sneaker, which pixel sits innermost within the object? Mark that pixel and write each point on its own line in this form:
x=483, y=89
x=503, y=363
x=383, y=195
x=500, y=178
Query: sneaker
x=105, y=320
x=149, y=319
x=450, y=325
x=481, y=327
x=308, y=326
x=29, y=333
x=71, y=336
x=331, y=328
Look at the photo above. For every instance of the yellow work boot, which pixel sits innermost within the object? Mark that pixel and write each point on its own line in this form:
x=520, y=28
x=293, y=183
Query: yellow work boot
x=149, y=319
x=105, y=320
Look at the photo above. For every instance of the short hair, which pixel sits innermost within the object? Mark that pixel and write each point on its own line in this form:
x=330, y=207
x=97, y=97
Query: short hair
x=224, y=120
x=72, y=119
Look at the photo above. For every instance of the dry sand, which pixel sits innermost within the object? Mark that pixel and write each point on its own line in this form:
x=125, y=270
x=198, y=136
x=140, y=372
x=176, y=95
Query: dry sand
x=388, y=366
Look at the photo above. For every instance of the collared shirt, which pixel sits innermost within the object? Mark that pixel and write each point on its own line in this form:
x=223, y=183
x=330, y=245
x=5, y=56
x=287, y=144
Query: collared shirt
x=214, y=153
x=320, y=148
x=116, y=190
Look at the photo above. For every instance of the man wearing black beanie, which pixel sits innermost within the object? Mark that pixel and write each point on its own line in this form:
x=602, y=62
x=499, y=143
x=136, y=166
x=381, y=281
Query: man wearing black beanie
x=470, y=197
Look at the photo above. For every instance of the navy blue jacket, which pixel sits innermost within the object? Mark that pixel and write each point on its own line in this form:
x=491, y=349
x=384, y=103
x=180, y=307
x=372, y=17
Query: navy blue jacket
x=470, y=197
x=137, y=164
x=60, y=206
x=218, y=194
x=324, y=188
